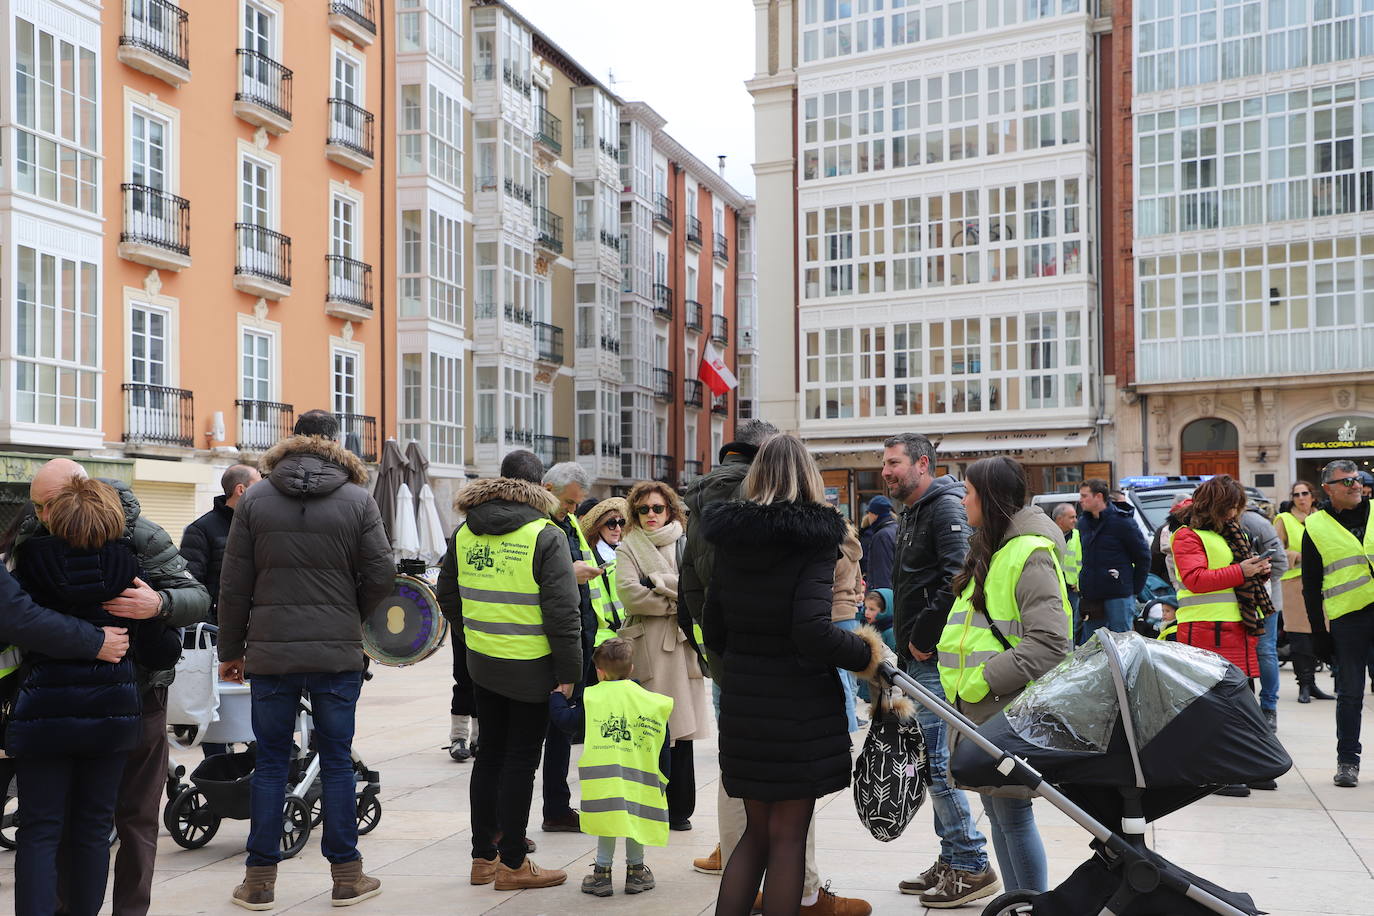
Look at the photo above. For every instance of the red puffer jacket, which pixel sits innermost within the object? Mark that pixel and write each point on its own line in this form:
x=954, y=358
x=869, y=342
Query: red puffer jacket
x=1229, y=640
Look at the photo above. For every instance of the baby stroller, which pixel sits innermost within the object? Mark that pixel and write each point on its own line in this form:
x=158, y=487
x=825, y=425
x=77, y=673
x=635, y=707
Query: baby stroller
x=221, y=785
x=1116, y=729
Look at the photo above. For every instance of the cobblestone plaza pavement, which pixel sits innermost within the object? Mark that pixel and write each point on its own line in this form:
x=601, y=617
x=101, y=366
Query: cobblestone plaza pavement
x=1305, y=849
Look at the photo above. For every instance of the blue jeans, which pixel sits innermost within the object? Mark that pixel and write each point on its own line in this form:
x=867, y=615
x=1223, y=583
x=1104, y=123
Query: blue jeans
x=75, y=796
x=276, y=700
x=1120, y=617
x=1020, y=852
x=848, y=680
x=1267, y=651
x=961, y=845
x=1075, y=599
x=1352, y=635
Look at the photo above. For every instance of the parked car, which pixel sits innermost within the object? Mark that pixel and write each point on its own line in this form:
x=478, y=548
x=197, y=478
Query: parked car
x=1153, y=496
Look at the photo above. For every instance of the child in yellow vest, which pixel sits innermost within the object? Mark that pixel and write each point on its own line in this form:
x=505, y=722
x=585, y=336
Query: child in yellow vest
x=623, y=769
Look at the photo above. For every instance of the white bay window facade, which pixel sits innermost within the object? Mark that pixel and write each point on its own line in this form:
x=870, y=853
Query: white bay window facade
x=52, y=335
x=947, y=257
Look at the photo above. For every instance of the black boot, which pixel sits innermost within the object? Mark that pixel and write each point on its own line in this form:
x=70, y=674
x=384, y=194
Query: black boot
x=1318, y=693
x=1305, y=693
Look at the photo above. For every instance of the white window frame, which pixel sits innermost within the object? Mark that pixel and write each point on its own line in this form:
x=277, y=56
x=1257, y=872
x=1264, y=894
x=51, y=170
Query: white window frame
x=359, y=394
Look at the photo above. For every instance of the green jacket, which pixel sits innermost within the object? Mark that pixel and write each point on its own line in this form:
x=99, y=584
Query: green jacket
x=185, y=602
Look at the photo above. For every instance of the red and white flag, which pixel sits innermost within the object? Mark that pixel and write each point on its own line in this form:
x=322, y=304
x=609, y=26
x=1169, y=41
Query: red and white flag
x=715, y=373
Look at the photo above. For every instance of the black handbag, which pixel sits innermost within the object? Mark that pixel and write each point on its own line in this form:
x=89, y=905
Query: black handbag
x=892, y=774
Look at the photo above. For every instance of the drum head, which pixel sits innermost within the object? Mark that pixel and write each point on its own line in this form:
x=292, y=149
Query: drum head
x=406, y=626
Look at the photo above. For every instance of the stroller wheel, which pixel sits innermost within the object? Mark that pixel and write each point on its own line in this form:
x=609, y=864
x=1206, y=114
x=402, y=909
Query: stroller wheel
x=190, y=820
x=9, y=822
x=1015, y=903
x=317, y=811
x=296, y=825
x=369, y=813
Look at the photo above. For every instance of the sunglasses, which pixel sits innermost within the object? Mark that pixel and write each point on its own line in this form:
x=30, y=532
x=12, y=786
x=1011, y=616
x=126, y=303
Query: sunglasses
x=1349, y=483
x=615, y=523
x=656, y=510
x=1298, y=493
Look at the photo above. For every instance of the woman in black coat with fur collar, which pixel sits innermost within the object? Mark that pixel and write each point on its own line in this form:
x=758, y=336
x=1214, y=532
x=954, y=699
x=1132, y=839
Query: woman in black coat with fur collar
x=784, y=739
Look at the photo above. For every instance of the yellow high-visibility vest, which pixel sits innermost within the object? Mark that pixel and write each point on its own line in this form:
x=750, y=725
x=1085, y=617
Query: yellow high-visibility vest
x=1219, y=606
x=1293, y=529
x=605, y=597
x=1347, y=582
x=623, y=789
x=501, y=613
x=1073, y=558
x=967, y=643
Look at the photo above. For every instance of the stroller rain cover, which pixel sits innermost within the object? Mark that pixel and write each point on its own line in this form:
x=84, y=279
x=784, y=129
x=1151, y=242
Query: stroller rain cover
x=1171, y=719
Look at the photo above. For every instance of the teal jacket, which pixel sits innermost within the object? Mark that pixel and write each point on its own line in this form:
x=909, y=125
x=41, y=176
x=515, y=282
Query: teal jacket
x=883, y=622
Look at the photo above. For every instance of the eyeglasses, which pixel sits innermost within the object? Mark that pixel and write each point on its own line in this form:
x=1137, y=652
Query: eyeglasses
x=656, y=509
x=615, y=523
x=1349, y=483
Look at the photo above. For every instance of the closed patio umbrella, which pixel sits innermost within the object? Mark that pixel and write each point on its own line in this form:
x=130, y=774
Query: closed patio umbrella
x=390, y=476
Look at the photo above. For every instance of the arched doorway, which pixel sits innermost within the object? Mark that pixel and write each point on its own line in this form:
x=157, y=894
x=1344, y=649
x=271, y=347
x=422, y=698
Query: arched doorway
x=1211, y=446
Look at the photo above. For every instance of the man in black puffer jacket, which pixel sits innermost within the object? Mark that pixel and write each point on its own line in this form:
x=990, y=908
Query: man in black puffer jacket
x=931, y=545
x=166, y=592
x=307, y=558
x=203, y=542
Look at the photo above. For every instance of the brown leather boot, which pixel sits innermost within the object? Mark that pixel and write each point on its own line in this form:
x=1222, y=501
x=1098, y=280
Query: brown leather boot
x=527, y=876
x=483, y=871
x=258, y=890
x=351, y=885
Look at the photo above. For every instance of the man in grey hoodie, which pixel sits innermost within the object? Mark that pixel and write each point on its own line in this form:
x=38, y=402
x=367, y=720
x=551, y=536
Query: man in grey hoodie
x=511, y=679
x=931, y=545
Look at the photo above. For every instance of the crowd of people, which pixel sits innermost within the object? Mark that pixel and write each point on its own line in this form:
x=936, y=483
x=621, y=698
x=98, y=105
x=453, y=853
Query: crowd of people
x=601, y=624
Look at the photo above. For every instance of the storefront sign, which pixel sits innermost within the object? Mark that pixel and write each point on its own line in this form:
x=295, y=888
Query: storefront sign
x=20, y=468
x=1338, y=433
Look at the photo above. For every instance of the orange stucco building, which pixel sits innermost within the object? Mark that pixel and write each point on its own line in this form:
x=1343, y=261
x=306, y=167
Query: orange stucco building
x=243, y=223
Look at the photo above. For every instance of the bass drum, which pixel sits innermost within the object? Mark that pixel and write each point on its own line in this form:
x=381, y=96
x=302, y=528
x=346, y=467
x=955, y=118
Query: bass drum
x=406, y=626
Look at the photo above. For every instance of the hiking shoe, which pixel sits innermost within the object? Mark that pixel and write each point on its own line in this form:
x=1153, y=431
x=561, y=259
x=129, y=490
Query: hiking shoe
x=459, y=750
x=258, y=890
x=1347, y=775
x=638, y=879
x=567, y=823
x=351, y=885
x=527, y=876
x=958, y=887
x=830, y=904
x=483, y=871
x=598, y=883
x=710, y=865
x=925, y=880
x=1239, y=790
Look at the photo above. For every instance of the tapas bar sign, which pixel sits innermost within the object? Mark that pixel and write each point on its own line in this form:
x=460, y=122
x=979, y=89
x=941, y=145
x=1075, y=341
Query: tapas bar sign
x=1337, y=433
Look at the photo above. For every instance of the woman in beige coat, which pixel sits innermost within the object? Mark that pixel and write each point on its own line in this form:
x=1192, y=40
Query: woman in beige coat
x=847, y=598
x=664, y=661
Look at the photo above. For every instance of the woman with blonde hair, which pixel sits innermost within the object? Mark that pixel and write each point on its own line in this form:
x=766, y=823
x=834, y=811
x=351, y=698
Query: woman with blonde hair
x=665, y=661
x=74, y=722
x=603, y=525
x=784, y=739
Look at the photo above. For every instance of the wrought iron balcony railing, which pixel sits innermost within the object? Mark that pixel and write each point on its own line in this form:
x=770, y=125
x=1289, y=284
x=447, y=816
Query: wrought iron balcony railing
x=350, y=126
x=548, y=340
x=350, y=281
x=154, y=217
x=552, y=449
x=264, y=82
x=663, y=385
x=692, y=395
x=157, y=26
x=263, y=252
x=548, y=129
x=694, y=230
x=720, y=329
x=358, y=434
x=156, y=415
x=694, y=313
x=262, y=424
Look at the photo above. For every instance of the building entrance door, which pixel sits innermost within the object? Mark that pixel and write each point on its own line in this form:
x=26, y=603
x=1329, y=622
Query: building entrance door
x=1211, y=447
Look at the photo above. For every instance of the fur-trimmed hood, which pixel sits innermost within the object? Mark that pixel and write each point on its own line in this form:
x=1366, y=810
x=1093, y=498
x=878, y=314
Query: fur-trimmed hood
x=311, y=466
x=499, y=505
x=788, y=525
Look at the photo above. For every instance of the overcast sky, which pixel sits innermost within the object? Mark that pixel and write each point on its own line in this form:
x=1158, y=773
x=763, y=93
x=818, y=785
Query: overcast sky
x=687, y=61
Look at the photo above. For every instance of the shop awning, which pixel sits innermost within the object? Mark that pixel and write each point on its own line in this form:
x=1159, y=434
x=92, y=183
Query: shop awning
x=960, y=443
x=835, y=448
